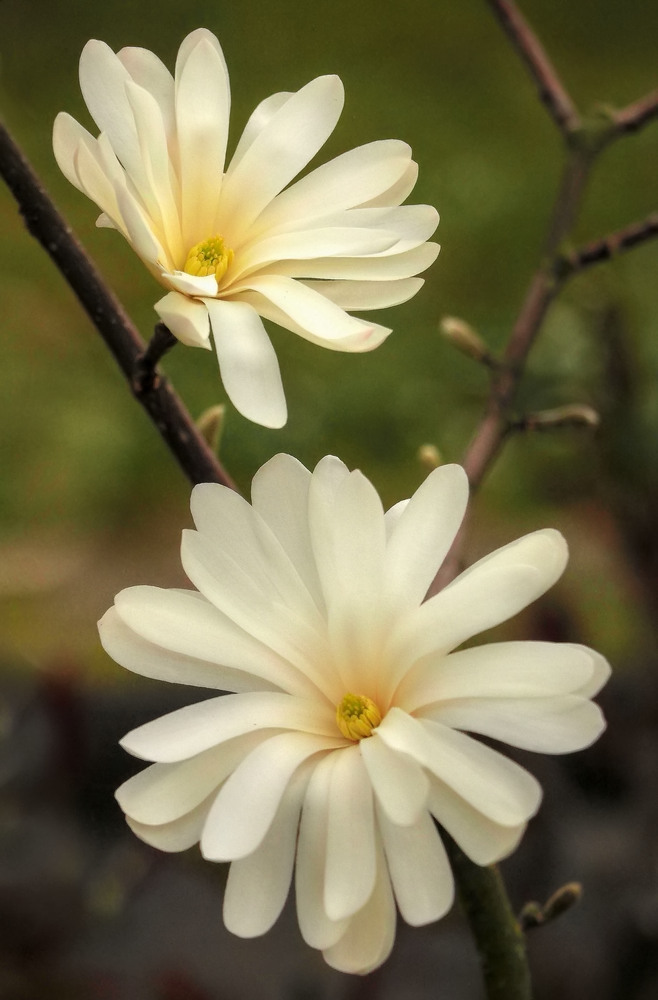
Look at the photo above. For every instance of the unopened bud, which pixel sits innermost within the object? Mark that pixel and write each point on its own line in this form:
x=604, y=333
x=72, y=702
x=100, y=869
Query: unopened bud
x=211, y=425
x=572, y=415
x=429, y=456
x=466, y=340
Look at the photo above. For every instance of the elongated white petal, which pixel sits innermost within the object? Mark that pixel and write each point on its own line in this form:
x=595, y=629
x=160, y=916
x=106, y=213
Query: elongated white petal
x=316, y=928
x=181, y=623
x=178, y=835
x=398, y=192
x=162, y=793
x=291, y=137
x=247, y=362
x=67, y=136
x=195, y=728
x=399, y=782
x=149, y=72
x=380, y=268
x=361, y=295
x=258, y=885
x=246, y=806
x=419, y=869
x=187, y=319
x=498, y=787
x=348, y=180
x=258, y=119
x=351, y=851
x=202, y=99
x=369, y=937
x=423, y=534
x=546, y=725
x=499, y=670
x=479, y=837
x=600, y=673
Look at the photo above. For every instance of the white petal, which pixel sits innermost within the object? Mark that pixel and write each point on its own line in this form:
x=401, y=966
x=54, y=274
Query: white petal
x=348, y=180
x=397, y=192
x=248, y=801
x=399, y=782
x=279, y=493
x=351, y=857
x=546, y=725
x=247, y=362
x=368, y=939
x=381, y=268
x=195, y=728
x=162, y=793
x=202, y=116
x=186, y=319
x=424, y=533
x=419, y=869
x=497, y=786
x=178, y=835
x=291, y=137
x=258, y=119
x=139, y=228
x=521, y=669
x=201, y=286
x=151, y=73
x=258, y=885
x=67, y=136
x=361, y=295
x=185, y=624
x=316, y=928
x=482, y=840
x=600, y=675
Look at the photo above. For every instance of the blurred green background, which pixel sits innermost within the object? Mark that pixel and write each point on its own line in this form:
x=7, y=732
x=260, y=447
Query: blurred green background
x=91, y=501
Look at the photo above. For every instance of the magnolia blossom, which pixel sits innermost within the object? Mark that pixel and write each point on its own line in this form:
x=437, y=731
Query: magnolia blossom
x=230, y=244
x=348, y=732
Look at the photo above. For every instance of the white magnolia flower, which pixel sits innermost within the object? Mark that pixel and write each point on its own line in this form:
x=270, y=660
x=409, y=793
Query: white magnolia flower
x=231, y=245
x=347, y=734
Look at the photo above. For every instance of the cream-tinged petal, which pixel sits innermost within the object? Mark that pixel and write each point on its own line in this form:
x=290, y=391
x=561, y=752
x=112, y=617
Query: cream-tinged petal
x=200, y=286
x=350, y=179
x=600, y=673
x=259, y=118
x=187, y=319
x=247, y=803
x=419, y=868
x=247, y=362
x=350, y=866
x=180, y=834
x=151, y=73
x=291, y=137
x=362, y=295
x=522, y=669
x=495, y=785
x=202, y=97
x=258, y=885
x=482, y=840
x=68, y=134
x=385, y=267
x=279, y=492
x=156, y=660
x=398, y=192
x=410, y=224
x=560, y=724
x=195, y=728
x=399, y=782
x=368, y=939
x=163, y=793
x=139, y=230
x=423, y=534
x=316, y=928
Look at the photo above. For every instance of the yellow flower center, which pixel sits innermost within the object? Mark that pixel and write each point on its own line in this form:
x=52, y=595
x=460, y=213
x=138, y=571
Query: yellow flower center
x=357, y=716
x=209, y=257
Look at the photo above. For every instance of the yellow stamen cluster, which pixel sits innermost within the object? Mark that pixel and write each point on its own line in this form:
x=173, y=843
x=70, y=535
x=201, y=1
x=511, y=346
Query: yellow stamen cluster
x=357, y=716
x=209, y=257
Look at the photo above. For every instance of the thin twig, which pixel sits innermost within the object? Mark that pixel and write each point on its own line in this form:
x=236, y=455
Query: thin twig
x=604, y=249
x=551, y=89
x=636, y=115
x=166, y=410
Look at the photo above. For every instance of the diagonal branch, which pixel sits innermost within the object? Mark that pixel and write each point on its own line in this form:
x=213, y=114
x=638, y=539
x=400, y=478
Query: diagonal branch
x=551, y=89
x=166, y=410
x=636, y=115
x=569, y=264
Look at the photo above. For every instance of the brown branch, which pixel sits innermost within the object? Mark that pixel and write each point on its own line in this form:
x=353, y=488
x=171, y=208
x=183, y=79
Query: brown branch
x=552, y=92
x=569, y=264
x=636, y=115
x=166, y=410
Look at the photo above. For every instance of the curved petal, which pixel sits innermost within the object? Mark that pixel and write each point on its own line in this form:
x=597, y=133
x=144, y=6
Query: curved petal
x=247, y=362
x=291, y=137
x=247, y=803
x=397, y=192
x=379, y=268
x=67, y=136
x=258, y=885
x=600, y=674
x=545, y=725
x=362, y=295
x=399, y=782
x=419, y=868
x=482, y=840
x=195, y=728
x=187, y=319
x=151, y=73
x=423, y=534
x=350, y=867
x=178, y=835
x=259, y=118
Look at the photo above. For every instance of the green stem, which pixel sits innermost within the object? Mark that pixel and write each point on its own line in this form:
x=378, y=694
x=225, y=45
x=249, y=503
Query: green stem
x=496, y=931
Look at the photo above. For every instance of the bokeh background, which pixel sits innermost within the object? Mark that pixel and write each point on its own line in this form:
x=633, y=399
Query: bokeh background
x=91, y=501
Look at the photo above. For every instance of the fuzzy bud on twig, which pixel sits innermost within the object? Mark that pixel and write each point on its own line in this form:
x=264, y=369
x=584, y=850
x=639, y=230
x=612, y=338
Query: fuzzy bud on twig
x=535, y=915
x=466, y=340
x=572, y=415
x=429, y=456
x=211, y=425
